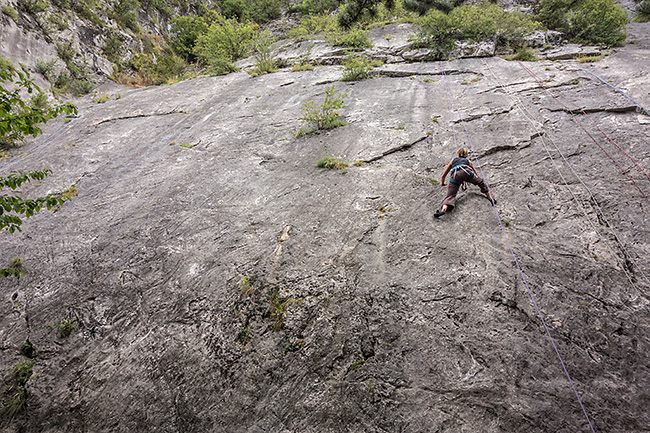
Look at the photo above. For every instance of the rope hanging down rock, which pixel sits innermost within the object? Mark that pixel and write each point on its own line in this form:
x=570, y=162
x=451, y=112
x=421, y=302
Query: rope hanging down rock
x=543, y=138
x=625, y=172
x=610, y=85
x=521, y=273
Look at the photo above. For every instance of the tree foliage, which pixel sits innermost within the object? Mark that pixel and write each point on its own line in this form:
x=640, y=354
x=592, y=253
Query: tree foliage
x=224, y=42
x=13, y=209
x=187, y=29
x=484, y=21
x=423, y=6
x=17, y=118
x=599, y=22
x=356, y=10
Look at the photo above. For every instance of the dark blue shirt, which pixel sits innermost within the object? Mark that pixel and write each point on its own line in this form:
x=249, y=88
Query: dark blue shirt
x=458, y=162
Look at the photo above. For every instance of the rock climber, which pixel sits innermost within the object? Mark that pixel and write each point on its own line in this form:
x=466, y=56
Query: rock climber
x=462, y=170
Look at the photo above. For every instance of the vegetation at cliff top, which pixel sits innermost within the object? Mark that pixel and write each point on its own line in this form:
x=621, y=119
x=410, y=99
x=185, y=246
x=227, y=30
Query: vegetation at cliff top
x=189, y=36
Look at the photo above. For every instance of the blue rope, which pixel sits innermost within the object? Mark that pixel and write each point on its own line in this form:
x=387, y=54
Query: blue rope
x=610, y=85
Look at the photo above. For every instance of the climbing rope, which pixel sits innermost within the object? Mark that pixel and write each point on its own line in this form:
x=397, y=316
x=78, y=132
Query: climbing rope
x=521, y=273
x=532, y=74
x=539, y=80
x=610, y=85
x=543, y=137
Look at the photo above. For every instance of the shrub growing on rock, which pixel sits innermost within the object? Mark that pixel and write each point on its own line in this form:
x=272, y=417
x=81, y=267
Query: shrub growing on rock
x=314, y=24
x=34, y=7
x=525, y=54
x=355, y=38
x=225, y=41
x=643, y=10
x=329, y=162
x=485, y=21
x=125, y=13
x=10, y=12
x=323, y=116
x=264, y=61
x=599, y=22
x=357, y=68
x=46, y=69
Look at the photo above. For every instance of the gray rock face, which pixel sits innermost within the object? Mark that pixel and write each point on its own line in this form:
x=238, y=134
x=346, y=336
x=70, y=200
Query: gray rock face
x=229, y=285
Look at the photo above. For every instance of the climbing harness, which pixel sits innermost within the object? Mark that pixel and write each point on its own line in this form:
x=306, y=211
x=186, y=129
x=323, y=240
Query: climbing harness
x=521, y=272
x=467, y=169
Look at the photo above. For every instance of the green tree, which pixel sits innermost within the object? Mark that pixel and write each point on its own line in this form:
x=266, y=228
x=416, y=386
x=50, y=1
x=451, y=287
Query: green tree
x=187, y=29
x=13, y=209
x=586, y=21
x=18, y=120
x=225, y=41
x=423, y=6
x=355, y=10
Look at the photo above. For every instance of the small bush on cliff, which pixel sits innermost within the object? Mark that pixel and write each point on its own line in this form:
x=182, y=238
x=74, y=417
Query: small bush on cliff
x=10, y=12
x=643, y=11
x=357, y=68
x=264, y=61
x=225, y=41
x=485, y=21
x=125, y=13
x=311, y=25
x=46, y=69
x=329, y=162
x=65, y=327
x=22, y=371
x=600, y=22
x=524, y=54
x=17, y=118
x=324, y=116
x=354, y=38
x=34, y=7
x=17, y=393
x=113, y=48
x=65, y=51
x=40, y=101
x=80, y=82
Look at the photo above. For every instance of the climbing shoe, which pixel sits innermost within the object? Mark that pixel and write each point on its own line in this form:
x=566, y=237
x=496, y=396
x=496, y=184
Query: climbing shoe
x=439, y=213
x=493, y=200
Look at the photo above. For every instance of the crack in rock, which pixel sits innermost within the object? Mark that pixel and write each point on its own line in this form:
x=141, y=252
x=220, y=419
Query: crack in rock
x=506, y=147
x=623, y=109
x=395, y=149
x=135, y=116
x=472, y=117
x=406, y=73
